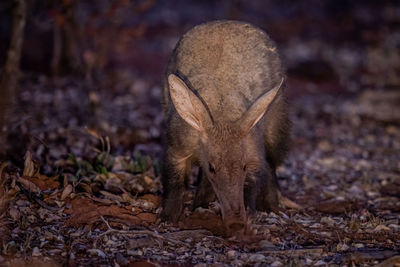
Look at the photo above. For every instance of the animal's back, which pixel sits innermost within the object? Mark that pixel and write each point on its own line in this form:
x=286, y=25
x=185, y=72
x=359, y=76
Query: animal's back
x=229, y=64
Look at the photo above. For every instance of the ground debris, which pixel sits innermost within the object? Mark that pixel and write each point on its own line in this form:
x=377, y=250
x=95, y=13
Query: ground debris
x=85, y=211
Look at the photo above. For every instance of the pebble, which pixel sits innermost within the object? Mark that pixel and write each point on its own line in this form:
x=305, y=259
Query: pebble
x=328, y=220
x=342, y=247
x=231, y=254
x=309, y=261
x=381, y=227
x=135, y=252
x=36, y=252
x=256, y=258
x=276, y=264
x=97, y=252
x=237, y=263
x=198, y=252
x=320, y=263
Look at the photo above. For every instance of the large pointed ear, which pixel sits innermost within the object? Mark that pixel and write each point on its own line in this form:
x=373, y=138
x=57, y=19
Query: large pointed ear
x=257, y=110
x=187, y=104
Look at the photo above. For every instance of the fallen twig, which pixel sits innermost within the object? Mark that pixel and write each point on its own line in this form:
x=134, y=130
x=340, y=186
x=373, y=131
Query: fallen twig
x=137, y=232
x=293, y=252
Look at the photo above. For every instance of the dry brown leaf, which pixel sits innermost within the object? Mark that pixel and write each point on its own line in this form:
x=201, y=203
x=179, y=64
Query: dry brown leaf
x=104, y=201
x=66, y=192
x=287, y=203
x=391, y=262
x=93, y=132
x=8, y=195
x=44, y=182
x=335, y=207
x=147, y=217
x=156, y=200
x=86, y=212
x=85, y=188
x=28, y=185
x=32, y=262
x=29, y=165
x=2, y=166
x=128, y=198
x=111, y=196
x=14, y=213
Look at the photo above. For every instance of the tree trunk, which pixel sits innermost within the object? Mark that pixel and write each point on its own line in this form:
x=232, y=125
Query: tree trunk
x=10, y=74
x=67, y=40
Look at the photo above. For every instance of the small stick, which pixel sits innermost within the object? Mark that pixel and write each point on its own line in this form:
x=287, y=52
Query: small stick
x=293, y=252
x=137, y=232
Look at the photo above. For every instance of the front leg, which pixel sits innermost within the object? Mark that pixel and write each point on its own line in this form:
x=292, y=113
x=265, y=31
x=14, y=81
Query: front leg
x=251, y=191
x=268, y=195
x=204, y=193
x=173, y=179
x=261, y=190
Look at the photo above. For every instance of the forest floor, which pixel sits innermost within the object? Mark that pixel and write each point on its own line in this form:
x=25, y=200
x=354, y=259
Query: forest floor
x=78, y=195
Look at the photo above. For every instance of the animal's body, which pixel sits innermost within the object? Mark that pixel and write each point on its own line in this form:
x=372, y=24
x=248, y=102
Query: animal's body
x=225, y=110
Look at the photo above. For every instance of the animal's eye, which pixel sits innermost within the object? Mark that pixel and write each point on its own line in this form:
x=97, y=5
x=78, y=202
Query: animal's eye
x=211, y=168
x=244, y=167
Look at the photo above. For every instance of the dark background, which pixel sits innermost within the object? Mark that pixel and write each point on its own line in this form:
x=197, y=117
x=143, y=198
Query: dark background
x=335, y=41
x=112, y=55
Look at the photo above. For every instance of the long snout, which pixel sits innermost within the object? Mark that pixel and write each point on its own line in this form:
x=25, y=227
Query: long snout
x=233, y=211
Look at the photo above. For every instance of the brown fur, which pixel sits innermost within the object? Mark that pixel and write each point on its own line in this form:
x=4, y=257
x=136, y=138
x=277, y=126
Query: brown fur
x=225, y=66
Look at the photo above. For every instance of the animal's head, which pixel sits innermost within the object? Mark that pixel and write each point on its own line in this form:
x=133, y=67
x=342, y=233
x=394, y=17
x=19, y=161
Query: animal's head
x=224, y=147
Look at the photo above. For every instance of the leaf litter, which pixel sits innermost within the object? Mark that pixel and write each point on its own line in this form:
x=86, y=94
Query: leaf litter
x=103, y=208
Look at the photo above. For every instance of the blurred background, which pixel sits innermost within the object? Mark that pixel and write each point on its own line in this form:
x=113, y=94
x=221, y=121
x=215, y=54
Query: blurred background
x=98, y=65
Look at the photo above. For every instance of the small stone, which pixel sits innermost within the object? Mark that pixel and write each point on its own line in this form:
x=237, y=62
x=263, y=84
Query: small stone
x=209, y=257
x=276, y=264
x=327, y=234
x=97, y=252
x=355, y=190
x=320, y=263
x=231, y=254
x=324, y=146
x=316, y=225
x=237, y=263
x=121, y=260
x=381, y=227
x=72, y=256
x=266, y=244
x=342, y=247
x=256, y=258
x=36, y=252
x=198, y=252
x=328, y=220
